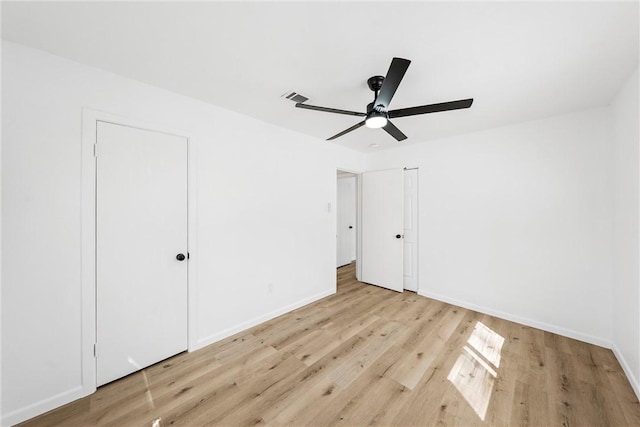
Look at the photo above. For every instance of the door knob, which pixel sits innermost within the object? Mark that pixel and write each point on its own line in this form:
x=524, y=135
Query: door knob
x=350, y=227
x=180, y=257
x=398, y=236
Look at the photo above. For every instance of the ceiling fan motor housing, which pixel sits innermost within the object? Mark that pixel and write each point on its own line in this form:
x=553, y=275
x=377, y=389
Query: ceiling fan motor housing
x=375, y=83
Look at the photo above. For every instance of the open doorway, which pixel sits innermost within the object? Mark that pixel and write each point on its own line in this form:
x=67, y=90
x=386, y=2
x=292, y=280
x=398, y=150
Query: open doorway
x=346, y=219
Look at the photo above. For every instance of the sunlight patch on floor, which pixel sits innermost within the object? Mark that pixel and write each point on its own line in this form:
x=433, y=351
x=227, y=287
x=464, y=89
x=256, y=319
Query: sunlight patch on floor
x=486, y=342
x=475, y=370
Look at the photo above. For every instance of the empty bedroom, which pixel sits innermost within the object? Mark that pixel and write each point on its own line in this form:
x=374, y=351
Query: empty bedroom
x=320, y=213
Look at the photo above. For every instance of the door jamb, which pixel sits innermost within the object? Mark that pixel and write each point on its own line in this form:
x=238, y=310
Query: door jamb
x=417, y=219
x=90, y=117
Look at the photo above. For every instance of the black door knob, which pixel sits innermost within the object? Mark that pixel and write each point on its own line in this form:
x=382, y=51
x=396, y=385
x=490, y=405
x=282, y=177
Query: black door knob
x=398, y=236
x=180, y=257
x=350, y=227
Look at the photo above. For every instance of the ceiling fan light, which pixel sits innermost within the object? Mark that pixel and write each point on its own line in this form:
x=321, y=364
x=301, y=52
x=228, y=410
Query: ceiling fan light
x=376, y=120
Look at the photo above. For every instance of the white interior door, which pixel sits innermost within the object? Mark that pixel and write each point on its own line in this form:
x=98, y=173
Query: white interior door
x=411, y=229
x=141, y=227
x=382, y=227
x=345, y=220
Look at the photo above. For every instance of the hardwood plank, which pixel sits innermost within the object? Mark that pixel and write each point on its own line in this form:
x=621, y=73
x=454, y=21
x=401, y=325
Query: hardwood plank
x=562, y=388
x=312, y=347
x=335, y=408
x=529, y=406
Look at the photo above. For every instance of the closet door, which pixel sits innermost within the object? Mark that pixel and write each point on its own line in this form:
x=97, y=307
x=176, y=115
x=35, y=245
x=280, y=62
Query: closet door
x=141, y=249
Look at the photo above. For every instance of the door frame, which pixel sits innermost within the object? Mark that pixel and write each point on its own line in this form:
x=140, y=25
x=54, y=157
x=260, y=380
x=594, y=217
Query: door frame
x=358, y=210
x=355, y=206
x=417, y=220
x=90, y=117
x=359, y=221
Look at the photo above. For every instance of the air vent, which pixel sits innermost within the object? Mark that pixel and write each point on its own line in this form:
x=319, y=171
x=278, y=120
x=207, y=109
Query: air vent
x=295, y=97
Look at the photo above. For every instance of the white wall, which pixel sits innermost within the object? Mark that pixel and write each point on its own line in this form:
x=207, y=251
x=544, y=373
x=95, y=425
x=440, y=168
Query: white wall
x=262, y=217
x=516, y=221
x=626, y=283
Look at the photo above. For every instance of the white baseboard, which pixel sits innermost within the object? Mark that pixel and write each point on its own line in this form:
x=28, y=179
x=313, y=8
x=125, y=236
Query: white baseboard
x=42, y=406
x=522, y=320
x=203, y=342
x=627, y=370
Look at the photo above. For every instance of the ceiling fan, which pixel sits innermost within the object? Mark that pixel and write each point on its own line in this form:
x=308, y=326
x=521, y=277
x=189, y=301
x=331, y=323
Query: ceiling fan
x=378, y=113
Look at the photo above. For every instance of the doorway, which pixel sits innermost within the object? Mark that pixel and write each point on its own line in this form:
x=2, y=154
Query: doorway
x=91, y=153
x=345, y=218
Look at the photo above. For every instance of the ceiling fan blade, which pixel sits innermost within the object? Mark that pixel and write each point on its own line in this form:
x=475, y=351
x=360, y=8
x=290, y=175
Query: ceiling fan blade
x=354, y=127
x=394, y=131
x=329, y=110
x=431, y=108
x=391, y=82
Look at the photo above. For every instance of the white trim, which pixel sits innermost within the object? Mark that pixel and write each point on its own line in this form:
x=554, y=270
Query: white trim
x=416, y=257
x=192, y=244
x=42, y=406
x=348, y=170
x=88, y=253
x=358, y=226
x=518, y=319
x=627, y=370
x=203, y=342
x=89, y=134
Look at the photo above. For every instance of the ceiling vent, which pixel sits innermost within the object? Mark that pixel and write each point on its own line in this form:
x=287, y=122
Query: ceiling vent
x=295, y=97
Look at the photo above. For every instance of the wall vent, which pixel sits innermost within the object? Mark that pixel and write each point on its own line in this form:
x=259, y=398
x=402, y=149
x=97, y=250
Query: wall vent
x=295, y=97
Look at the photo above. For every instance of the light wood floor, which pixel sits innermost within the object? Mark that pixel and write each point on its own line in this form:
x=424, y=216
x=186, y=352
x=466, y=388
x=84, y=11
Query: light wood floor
x=368, y=356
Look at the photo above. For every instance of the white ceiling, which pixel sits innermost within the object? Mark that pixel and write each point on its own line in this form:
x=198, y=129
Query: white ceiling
x=519, y=61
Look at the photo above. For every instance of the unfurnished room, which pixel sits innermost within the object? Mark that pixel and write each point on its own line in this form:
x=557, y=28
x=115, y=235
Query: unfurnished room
x=320, y=213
